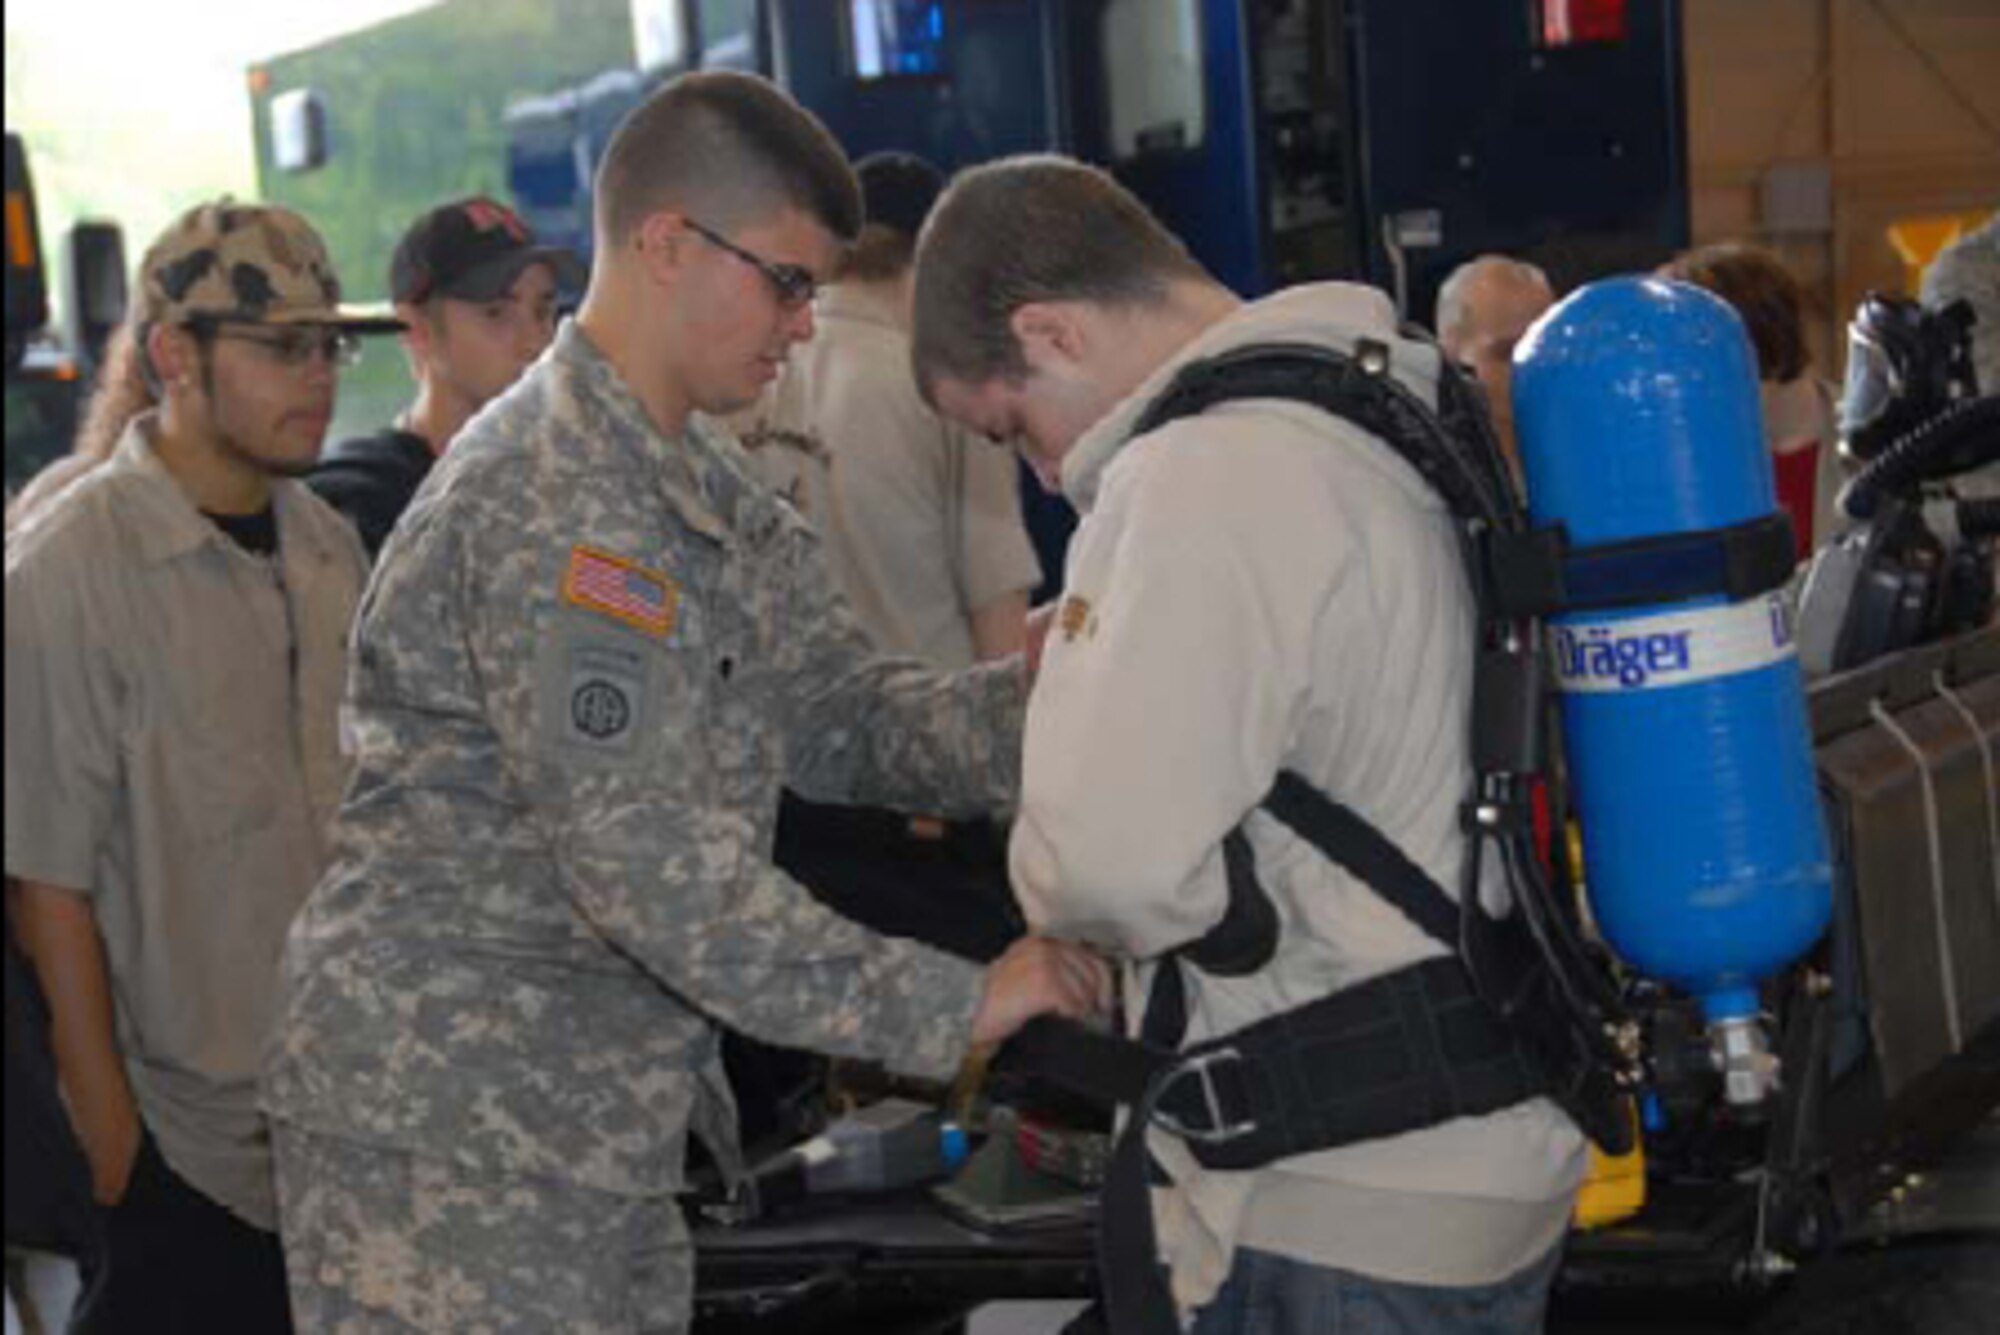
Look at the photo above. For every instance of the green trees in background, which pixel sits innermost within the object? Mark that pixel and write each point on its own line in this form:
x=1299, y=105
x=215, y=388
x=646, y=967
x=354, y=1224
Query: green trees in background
x=414, y=116
x=414, y=111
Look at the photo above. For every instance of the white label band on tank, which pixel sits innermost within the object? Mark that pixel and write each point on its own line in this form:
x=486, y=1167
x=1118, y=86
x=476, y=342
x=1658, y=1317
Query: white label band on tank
x=1652, y=653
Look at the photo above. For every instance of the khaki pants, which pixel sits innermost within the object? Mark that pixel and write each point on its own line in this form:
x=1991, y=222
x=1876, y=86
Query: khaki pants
x=379, y=1241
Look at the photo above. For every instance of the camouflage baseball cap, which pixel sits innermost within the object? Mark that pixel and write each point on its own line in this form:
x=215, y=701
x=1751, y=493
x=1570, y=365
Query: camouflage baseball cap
x=254, y=263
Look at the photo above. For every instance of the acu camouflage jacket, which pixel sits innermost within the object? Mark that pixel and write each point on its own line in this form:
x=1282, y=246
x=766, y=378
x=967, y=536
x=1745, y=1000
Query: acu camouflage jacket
x=590, y=657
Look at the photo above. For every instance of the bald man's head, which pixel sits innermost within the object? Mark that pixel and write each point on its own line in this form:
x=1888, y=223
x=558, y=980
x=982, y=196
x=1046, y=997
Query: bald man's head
x=1483, y=309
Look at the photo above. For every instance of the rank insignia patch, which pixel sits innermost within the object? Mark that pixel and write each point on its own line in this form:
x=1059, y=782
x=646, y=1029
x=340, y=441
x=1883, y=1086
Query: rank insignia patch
x=643, y=599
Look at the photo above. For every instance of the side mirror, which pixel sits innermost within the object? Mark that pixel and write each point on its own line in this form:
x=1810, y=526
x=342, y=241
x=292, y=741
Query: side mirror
x=298, y=131
x=96, y=287
x=27, y=283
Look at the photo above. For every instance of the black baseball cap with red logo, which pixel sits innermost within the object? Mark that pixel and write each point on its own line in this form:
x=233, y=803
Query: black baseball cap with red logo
x=473, y=250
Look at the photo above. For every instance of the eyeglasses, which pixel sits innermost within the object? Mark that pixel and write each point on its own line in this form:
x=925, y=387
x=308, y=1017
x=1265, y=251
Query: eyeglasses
x=293, y=346
x=794, y=283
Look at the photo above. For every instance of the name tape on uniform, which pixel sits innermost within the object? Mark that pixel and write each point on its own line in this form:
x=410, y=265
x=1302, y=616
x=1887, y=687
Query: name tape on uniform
x=1652, y=653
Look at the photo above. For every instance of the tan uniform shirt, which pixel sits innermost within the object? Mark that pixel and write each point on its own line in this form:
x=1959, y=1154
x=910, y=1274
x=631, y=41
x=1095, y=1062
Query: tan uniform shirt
x=922, y=522
x=172, y=752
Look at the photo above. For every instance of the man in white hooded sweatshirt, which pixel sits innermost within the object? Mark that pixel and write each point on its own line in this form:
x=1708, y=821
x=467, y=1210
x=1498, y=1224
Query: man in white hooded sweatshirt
x=1262, y=587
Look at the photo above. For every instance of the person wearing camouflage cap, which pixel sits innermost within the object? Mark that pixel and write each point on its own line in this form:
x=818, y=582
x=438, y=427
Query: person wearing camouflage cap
x=478, y=298
x=175, y=630
x=594, y=650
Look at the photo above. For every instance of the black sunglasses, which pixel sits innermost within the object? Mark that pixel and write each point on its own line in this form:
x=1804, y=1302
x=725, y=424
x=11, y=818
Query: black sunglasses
x=794, y=283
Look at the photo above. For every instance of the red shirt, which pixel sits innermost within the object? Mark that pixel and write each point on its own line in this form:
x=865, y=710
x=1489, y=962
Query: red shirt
x=1797, y=475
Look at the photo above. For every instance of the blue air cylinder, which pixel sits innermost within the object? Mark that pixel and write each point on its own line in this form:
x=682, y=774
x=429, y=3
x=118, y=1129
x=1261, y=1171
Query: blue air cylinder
x=1636, y=404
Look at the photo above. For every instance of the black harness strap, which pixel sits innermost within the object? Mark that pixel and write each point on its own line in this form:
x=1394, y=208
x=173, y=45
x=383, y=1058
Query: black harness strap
x=1365, y=853
x=1421, y=1045
x=1538, y=573
x=1246, y=938
x=1409, y=1049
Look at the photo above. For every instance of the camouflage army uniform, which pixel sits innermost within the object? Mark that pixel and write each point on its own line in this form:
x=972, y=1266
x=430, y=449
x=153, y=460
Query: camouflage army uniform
x=587, y=662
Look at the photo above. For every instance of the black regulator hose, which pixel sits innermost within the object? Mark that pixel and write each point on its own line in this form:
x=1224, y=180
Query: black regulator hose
x=1964, y=436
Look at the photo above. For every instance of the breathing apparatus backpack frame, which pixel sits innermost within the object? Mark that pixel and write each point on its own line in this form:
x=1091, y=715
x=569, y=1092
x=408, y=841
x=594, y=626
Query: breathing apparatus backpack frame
x=1519, y=1006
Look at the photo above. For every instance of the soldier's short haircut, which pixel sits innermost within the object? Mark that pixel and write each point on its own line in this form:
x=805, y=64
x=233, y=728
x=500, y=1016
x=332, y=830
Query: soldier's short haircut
x=1022, y=230
x=729, y=150
x=878, y=255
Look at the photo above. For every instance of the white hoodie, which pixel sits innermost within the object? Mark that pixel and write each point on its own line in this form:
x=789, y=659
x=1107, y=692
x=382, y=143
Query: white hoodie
x=1256, y=589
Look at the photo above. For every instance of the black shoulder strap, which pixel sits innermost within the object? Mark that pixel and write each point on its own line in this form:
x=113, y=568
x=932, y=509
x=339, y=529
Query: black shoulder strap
x=1246, y=938
x=1524, y=571
x=1452, y=447
x=1365, y=853
x=1472, y=481
x=1357, y=389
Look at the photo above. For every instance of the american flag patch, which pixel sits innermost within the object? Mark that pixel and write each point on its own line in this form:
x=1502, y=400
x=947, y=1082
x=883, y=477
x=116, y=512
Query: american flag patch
x=642, y=598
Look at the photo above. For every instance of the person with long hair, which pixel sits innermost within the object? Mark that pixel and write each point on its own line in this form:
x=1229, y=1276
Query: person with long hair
x=119, y=395
x=176, y=623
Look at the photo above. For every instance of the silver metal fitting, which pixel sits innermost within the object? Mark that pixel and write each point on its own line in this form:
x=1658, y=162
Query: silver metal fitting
x=1766, y=1266
x=1743, y=1055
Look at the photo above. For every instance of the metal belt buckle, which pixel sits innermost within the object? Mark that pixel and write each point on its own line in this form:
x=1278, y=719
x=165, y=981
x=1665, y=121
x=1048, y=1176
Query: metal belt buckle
x=1218, y=1132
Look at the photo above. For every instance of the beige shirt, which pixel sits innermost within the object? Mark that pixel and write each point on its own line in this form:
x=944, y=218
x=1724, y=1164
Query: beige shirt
x=172, y=752
x=922, y=522
x=1255, y=589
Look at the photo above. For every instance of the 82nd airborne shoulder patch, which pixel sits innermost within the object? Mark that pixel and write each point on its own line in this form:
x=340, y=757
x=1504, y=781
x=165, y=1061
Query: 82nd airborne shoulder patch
x=647, y=600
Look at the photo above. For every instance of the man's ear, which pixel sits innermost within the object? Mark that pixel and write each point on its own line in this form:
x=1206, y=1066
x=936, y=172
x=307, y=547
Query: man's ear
x=662, y=240
x=173, y=354
x=1049, y=332
x=418, y=331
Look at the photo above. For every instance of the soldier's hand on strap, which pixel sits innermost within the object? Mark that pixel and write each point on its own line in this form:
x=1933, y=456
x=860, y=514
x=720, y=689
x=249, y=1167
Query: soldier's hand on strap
x=1037, y=976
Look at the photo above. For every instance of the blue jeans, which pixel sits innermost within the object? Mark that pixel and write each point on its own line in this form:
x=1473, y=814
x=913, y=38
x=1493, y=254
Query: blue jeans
x=1273, y=1295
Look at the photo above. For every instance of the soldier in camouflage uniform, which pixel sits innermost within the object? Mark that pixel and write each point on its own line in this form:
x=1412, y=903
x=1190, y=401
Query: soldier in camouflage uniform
x=593, y=651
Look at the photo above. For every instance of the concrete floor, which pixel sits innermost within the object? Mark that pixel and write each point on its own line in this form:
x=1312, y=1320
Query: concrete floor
x=47, y=1286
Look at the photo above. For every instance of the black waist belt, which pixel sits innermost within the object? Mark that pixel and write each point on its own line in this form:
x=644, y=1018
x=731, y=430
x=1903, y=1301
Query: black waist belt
x=1405, y=1051
x=1401, y=1052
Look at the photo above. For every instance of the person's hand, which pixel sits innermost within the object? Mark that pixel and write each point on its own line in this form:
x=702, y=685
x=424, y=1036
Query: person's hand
x=111, y=1146
x=1037, y=976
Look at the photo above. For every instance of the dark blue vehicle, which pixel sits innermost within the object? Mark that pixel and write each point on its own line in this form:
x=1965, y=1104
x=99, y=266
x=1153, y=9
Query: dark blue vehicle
x=1283, y=140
